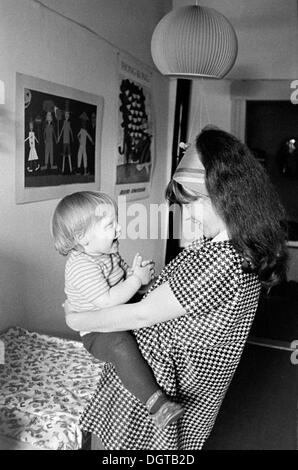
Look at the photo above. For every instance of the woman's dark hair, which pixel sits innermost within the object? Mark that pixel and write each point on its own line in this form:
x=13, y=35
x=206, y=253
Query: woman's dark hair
x=243, y=195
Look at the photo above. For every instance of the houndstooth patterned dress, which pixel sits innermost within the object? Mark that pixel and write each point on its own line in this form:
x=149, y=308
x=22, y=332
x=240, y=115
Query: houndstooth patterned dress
x=193, y=357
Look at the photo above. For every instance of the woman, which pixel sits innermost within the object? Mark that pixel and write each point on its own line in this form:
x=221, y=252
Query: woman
x=192, y=325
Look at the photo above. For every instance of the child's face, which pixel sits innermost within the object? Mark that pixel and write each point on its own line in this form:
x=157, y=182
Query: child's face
x=102, y=237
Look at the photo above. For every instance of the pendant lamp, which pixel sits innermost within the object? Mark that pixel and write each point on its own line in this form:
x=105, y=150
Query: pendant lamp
x=194, y=41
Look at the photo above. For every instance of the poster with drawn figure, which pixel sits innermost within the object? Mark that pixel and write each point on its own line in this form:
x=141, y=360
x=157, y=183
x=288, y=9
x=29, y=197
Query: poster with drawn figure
x=58, y=139
x=63, y=126
x=135, y=147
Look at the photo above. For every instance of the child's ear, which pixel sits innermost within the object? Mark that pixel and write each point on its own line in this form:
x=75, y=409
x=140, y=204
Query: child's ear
x=82, y=240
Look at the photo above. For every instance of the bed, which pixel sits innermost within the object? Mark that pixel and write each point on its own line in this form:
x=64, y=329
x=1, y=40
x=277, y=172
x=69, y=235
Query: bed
x=45, y=382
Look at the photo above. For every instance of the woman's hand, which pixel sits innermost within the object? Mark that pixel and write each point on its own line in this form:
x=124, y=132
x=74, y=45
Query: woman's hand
x=73, y=318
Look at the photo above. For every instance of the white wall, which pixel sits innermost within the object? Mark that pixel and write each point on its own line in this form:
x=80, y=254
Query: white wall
x=129, y=24
x=37, y=42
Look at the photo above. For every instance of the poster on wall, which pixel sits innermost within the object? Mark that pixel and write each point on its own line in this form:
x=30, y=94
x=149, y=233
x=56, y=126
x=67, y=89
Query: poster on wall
x=58, y=139
x=135, y=146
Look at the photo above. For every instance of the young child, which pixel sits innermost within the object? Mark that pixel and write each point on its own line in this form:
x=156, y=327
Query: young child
x=85, y=227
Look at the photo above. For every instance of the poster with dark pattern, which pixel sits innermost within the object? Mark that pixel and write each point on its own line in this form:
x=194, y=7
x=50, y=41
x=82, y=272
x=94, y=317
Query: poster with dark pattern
x=135, y=149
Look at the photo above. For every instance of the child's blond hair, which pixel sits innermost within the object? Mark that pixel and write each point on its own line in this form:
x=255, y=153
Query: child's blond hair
x=74, y=215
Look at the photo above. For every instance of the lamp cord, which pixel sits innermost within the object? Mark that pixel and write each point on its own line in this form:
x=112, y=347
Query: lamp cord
x=202, y=110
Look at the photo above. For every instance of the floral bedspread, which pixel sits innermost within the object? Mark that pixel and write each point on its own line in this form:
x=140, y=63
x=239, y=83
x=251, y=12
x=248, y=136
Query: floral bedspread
x=45, y=383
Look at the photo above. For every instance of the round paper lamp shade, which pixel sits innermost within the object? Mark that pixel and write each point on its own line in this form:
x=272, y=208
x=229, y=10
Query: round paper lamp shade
x=194, y=41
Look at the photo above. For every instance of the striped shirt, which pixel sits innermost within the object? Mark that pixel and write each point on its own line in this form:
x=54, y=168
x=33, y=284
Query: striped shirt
x=89, y=277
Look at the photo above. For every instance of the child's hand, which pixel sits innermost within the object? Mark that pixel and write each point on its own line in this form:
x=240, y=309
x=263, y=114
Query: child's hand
x=145, y=262
x=144, y=270
x=130, y=271
x=138, y=260
x=149, y=262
